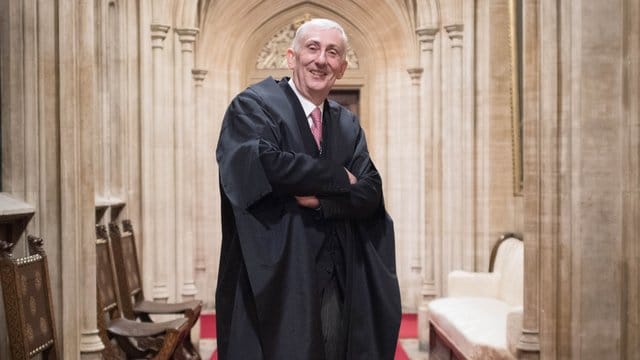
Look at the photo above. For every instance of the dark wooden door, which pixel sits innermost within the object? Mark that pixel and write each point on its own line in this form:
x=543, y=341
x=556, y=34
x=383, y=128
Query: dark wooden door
x=347, y=98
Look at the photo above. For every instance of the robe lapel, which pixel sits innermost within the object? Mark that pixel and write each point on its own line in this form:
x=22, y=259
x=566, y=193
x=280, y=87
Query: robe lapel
x=331, y=133
x=299, y=120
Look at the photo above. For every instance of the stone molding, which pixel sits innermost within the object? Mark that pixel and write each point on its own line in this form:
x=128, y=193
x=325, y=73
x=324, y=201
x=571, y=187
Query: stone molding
x=187, y=37
x=455, y=33
x=415, y=74
x=426, y=36
x=199, y=75
x=158, y=34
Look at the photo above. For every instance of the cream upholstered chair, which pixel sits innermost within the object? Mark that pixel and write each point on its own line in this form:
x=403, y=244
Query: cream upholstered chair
x=482, y=314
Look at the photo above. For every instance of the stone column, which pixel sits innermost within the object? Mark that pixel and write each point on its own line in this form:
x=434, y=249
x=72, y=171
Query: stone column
x=156, y=236
x=90, y=343
x=452, y=156
x=201, y=156
x=537, y=235
x=415, y=279
x=428, y=176
x=631, y=180
x=581, y=180
x=78, y=100
x=185, y=166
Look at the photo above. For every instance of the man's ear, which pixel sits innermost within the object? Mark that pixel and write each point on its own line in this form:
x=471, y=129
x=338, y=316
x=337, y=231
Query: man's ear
x=343, y=68
x=291, y=58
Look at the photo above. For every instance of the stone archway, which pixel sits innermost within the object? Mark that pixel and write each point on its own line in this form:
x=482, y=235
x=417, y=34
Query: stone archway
x=232, y=36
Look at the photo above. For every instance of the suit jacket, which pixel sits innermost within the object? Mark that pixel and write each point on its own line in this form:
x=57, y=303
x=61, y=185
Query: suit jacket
x=267, y=299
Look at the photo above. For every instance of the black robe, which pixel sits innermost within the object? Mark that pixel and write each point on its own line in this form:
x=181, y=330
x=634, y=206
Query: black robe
x=267, y=300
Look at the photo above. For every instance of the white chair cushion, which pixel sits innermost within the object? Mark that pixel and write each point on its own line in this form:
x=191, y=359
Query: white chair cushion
x=477, y=326
x=510, y=265
x=473, y=284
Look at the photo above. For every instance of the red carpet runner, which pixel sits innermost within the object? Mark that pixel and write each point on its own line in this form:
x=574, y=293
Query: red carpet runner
x=408, y=330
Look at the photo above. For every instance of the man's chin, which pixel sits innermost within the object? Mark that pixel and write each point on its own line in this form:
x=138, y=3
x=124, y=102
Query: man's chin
x=322, y=85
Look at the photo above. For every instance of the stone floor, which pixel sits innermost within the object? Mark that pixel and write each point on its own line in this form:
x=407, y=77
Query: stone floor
x=410, y=347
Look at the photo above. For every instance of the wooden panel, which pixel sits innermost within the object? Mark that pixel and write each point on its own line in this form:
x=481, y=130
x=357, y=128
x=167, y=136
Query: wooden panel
x=347, y=98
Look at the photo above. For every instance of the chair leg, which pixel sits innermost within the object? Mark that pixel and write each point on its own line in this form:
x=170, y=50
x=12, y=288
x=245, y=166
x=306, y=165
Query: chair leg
x=170, y=346
x=190, y=349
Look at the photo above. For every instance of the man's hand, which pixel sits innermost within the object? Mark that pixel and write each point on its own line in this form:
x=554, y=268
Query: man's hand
x=310, y=202
x=352, y=178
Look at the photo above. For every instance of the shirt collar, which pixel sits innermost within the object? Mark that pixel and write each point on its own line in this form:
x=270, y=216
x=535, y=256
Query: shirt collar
x=307, y=105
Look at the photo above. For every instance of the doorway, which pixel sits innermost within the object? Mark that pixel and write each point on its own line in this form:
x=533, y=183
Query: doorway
x=347, y=98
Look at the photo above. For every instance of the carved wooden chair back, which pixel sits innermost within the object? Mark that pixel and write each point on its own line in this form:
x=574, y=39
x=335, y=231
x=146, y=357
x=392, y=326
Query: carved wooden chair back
x=132, y=339
x=26, y=290
x=127, y=266
x=107, y=297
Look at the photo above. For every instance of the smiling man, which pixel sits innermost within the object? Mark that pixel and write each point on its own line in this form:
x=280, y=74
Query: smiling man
x=307, y=268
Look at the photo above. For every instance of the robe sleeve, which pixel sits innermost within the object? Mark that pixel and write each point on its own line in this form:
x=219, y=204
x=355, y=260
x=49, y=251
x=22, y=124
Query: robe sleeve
x=365, y=196
x=252, y=163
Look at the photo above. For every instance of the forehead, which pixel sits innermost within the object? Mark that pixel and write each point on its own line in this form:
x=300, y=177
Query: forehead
x=324, y=36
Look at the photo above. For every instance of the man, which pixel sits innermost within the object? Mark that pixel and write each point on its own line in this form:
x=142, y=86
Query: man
x=307, y=268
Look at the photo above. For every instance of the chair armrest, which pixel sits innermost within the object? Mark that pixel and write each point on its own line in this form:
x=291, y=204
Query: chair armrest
x=476, y=284
x=514, y=328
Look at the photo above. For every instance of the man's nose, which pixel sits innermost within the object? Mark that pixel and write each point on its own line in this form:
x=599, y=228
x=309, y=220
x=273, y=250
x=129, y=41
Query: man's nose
x=322, y=57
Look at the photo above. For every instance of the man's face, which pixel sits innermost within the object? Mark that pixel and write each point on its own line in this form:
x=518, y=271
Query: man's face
x=318, y=64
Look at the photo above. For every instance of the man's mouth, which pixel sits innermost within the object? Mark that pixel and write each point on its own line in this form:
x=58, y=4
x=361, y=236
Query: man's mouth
x=317, y=73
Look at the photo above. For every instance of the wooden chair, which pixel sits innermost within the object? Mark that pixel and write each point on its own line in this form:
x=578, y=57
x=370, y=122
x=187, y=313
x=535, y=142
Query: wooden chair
x=124, y=338
x=26, y=289
x=134, y=304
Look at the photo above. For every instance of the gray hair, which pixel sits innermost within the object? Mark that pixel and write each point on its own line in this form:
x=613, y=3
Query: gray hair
x=322, y=24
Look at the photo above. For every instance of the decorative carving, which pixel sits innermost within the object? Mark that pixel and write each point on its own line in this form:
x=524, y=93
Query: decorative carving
x=101, y=232
x=126, y=224
x=29, y=333
x=44, y=326
x=23, y=286
x=35, y=245
x=38, y=281
x=273, y=53
x=32, y=305
x=6, y=249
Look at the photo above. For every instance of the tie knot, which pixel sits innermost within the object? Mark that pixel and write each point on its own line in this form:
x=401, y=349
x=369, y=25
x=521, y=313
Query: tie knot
x=315, y=116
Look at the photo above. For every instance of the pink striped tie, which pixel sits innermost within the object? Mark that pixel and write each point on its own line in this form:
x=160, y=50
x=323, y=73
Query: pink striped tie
x=316, y=128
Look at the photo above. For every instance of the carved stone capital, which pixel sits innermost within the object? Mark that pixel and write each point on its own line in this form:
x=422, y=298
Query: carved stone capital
x=415, y=74
x=158, y=34
x=455, y=33
x=199, y=75
x=426, y=36
x=187, y=35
